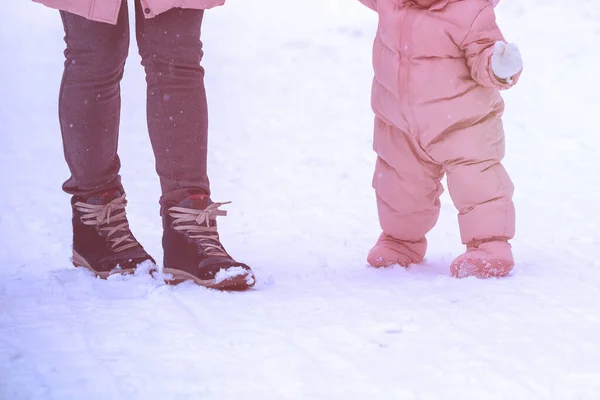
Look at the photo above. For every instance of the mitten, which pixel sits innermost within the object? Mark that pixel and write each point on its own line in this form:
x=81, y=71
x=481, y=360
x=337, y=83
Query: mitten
x=506, y=60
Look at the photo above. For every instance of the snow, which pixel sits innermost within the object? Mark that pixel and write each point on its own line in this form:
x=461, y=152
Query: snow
x=290, y=144
x=228, y=273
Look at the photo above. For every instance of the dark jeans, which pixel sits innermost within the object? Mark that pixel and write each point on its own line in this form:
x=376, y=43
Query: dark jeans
x=90, y=101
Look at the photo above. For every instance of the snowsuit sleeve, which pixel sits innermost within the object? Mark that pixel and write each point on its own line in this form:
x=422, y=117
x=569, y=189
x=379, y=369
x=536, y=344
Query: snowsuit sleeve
x=372, y=4
x=478, y=47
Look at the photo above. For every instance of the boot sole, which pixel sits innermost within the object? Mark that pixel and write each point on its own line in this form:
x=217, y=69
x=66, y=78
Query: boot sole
x=235, y=283
x=80, y=262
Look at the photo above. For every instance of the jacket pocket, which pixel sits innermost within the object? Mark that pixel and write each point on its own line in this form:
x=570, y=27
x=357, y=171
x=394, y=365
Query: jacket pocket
x=105, y=10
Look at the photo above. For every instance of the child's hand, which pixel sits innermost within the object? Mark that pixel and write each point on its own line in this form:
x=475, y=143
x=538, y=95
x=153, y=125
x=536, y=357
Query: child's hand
x=506, y=61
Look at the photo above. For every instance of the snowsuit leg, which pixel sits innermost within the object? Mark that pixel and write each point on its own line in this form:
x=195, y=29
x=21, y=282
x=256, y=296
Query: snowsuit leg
x=408, y=186
x=477, y=181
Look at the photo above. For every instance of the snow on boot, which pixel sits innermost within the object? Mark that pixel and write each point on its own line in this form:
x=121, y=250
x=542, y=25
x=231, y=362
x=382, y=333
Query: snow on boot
x=193, y=250
x=102, y=240
x=491, y=259
x=390, y=251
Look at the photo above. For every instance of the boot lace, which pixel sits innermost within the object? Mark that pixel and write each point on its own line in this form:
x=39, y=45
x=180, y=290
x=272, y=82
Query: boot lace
x=196, y=225
x=110, y=218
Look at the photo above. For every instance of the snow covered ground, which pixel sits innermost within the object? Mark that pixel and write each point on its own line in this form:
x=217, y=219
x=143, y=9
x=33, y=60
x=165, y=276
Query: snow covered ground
x=290, y=143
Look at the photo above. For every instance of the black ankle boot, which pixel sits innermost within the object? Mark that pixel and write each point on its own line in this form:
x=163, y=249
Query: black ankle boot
x=102, y=241
x=193, y=251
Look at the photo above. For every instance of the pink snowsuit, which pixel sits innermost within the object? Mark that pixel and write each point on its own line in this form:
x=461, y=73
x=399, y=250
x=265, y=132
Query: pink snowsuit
x=438, y=111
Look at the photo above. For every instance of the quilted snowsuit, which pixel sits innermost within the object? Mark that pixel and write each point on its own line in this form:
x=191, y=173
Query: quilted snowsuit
x=438, y=111
x=108, y=10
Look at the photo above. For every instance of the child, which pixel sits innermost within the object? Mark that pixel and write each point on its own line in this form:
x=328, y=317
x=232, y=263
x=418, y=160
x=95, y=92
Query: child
x=439, y=66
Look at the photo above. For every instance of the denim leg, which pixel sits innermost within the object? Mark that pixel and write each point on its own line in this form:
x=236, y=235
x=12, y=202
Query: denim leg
x=90, y=101
x=171, y=52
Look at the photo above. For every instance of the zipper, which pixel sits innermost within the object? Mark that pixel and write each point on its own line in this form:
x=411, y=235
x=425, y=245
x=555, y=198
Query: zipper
x=405, y=64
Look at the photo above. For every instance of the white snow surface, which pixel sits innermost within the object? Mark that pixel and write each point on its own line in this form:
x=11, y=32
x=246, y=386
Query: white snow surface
x=227, y=273
x=290, y=144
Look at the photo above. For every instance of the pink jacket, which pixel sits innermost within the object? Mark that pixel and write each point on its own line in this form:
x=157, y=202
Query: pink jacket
x=432, y=65
x=108, y=10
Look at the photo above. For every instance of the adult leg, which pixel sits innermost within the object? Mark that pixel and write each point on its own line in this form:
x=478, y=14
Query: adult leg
x=89, y=111
x=90, y=101
x=171, y=52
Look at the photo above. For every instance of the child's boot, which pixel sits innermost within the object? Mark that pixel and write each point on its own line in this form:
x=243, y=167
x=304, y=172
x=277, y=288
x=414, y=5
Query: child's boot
x=389, y=251
x=484, y=259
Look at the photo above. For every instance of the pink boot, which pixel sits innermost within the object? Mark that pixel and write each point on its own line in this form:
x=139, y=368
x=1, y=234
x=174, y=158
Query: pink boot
x=389, y=251
x=491, y=259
